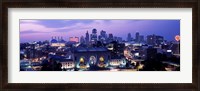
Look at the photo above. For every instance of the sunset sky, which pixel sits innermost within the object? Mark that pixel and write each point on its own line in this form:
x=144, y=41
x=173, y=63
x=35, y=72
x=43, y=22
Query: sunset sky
x=40, y=30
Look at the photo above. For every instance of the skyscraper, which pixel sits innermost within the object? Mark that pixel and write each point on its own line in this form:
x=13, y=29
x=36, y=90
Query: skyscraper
x=93, y=36
x=102, y=36
x=87, y=38
x=137, y=36
x=82, y=40
x=129, y=37
x=110, y=37
x=151, y=39
x=119, y=39
x=155, y=39
x=141, y=38
x=159, y=40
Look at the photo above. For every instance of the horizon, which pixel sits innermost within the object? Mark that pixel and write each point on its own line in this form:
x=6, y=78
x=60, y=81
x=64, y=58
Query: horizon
x=41, y=30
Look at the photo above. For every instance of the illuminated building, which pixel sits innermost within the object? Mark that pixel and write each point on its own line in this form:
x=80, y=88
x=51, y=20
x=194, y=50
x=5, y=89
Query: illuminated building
x=151, y=39
x=25, y=66
x=117, y=62
x=36, y=66
x=159, y=40
x=102, y=36
x=154, y=39
x=93, y=36
x=92, y=60
x=33, y=52
x=74, y=39
x=174, y=47
x=86, y=57
x=67, y=64
x=116, y=48
x=57, y=42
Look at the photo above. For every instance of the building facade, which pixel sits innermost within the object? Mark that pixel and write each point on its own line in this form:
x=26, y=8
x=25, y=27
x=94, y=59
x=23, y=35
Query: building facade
x=86, y=57
x=57, y=42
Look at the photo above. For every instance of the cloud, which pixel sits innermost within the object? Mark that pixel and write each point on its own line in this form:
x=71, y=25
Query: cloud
x=47, y=28
x=79, y=27
x=35, y=27
x=31, y=31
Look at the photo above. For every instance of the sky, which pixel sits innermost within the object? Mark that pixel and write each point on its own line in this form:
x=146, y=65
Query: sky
x=43, y=29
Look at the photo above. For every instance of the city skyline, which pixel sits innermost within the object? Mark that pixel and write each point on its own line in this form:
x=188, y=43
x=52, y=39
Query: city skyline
x=100, y=45
x=45, y=29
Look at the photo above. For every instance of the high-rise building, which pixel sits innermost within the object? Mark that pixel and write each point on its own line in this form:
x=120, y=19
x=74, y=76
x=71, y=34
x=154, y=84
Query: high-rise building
x=129, y=38
x=154, y=39
x=87, y=38
x=141, y=38
x=159, y=40
x=137, y=36
x=93, y=36
x=82, y=40
x=102, y=37
x=151, y=39
x=103, y=33
x=119, y=39
x=110, y=37
x=33, y=51
x=115, y=38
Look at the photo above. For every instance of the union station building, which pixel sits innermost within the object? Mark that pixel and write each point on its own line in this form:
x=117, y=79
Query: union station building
x=87, y=57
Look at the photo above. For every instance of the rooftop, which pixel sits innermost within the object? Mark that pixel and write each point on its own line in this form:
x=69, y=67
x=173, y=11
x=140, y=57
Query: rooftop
x=91, y=49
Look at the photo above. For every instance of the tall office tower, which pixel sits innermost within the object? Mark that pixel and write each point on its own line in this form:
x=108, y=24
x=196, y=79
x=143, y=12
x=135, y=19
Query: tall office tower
x=93, y=36
x=102, y=36
x=137, y=36
x=82, y=40
x=129, y=37
x=141, y=38
x=110, y=37
x=151, y=39
x=155, y=39
x=87, y=38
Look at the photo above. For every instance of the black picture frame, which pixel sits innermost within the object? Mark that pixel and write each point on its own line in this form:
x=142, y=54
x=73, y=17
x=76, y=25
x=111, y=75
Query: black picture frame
x=194, y=4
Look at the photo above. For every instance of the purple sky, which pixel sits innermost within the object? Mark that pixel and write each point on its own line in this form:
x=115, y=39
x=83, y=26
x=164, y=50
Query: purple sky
x=40, y=30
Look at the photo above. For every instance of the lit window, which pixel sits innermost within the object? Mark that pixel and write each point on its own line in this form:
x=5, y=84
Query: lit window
x=81, y=59
x=101, y=59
